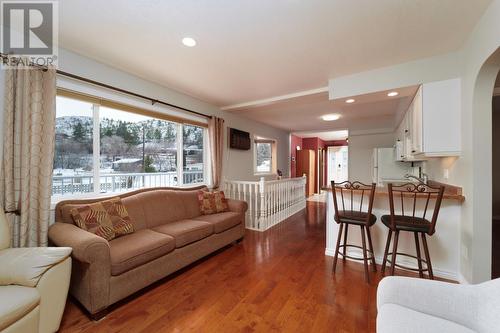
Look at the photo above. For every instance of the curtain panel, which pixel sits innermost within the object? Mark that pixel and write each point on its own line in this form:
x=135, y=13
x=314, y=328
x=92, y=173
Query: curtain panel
x=216, y=140
x=28, y=153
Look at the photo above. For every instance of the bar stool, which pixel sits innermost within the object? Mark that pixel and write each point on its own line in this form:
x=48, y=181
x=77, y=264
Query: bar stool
x=411, y=223
x=354, y=216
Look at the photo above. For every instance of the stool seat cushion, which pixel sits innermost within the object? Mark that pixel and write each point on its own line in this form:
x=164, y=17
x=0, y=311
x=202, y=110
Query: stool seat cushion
x=355, y=217
x=408, y=223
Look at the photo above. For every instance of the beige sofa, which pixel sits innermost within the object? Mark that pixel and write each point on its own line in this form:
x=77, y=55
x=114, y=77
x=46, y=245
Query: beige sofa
x=170, y=233
x=33, y=285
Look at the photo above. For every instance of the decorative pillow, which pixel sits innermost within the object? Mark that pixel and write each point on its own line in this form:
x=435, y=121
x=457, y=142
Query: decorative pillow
x=107, y=219
x=212, y=202
x=122, y=225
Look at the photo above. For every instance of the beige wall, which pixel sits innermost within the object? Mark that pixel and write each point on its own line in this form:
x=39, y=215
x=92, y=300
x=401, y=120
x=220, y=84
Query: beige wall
x=360, y=153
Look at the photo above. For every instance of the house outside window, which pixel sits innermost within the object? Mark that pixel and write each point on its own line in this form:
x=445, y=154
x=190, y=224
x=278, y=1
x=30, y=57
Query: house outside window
x=264, y=156
x=102, y=149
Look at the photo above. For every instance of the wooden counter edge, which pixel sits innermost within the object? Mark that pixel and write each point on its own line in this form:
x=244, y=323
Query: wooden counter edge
x=451, y=192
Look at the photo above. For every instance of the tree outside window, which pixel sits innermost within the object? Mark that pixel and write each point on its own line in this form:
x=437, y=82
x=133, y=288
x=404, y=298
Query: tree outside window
x=264, y=159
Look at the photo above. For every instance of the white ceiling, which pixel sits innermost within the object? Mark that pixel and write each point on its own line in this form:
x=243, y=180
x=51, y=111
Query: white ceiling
x=370, y=112
x=255, y=49
x=324, y=135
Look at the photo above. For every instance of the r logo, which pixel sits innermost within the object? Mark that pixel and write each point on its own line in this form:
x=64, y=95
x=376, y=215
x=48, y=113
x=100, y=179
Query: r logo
x=28, y=27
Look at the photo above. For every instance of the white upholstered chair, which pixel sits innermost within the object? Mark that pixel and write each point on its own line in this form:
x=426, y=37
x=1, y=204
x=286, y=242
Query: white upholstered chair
x=416, y=305
x=34, y=285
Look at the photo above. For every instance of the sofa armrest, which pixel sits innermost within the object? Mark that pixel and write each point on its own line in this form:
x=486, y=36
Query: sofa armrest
x=25, y=266
x=86, y=246
x=453, y=302
x=91, y=273
x=237, y=206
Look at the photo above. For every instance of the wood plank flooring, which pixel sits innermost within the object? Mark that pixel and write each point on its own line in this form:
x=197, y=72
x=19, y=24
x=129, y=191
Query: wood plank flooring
x=276, y=281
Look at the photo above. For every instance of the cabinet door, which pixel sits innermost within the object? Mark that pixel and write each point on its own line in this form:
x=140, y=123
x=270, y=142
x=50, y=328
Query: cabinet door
x=416, y=126
x=441, y=117
x=408, y=146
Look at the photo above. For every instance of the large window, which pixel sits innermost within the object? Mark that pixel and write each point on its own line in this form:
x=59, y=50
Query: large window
x=101, y=149
x=265, y=156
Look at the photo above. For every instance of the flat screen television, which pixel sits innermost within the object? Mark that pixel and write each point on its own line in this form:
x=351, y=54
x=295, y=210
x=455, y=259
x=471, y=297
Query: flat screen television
x=239, y=139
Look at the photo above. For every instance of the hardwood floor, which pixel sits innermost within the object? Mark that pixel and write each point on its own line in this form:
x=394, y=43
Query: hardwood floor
x=279, y=280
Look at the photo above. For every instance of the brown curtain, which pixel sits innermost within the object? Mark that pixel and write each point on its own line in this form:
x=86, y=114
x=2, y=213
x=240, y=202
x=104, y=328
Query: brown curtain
x=28, y=153
x=216, y=140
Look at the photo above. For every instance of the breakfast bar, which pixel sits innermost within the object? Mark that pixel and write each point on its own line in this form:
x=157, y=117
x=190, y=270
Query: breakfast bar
x=443, y=245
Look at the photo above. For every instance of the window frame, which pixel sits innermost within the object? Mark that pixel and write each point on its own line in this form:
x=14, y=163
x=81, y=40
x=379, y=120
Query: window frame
x=274, y=168
x=96, y=154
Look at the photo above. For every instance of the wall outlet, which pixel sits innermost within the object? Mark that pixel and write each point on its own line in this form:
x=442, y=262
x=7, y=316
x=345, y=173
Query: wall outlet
x=446, y=173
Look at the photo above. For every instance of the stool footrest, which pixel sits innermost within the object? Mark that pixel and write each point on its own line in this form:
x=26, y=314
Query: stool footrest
x=406, y=267
x=370, y=257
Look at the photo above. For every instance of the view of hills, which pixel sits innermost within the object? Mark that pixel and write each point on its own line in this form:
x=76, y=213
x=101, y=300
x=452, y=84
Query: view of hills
x=149, y=145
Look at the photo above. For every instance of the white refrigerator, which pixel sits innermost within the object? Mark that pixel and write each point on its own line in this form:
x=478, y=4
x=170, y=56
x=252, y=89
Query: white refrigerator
x=386, y=169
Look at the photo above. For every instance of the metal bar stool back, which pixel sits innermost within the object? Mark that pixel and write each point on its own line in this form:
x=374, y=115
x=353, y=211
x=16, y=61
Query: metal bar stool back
x=353, y=203
x=411, y=205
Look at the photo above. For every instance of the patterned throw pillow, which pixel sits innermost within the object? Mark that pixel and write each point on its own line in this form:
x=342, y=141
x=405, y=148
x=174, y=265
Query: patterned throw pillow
x=107, y=219
x=122, y=225
x=212, y=202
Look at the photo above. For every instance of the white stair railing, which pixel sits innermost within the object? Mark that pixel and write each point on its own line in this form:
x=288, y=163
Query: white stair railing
x=269, y=202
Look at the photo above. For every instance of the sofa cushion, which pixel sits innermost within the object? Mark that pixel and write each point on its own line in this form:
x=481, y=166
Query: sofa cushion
x=212, y=202
x=222, y=221
x=15, y=303
x=107, y=219
x=186, y=231
x=122, y=225
x=135, y=249
x=93, y=218
x=393, y=318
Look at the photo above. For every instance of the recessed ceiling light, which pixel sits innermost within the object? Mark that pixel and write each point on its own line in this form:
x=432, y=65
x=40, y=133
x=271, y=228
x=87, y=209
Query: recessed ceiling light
x=350, y=100
x=188, y=41
x=393, y=93
x=330, y=117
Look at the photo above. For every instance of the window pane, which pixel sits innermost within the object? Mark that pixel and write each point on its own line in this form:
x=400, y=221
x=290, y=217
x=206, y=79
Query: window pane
x=264, y=160
x=73, y=169
x=192, y=154
x=136, y=151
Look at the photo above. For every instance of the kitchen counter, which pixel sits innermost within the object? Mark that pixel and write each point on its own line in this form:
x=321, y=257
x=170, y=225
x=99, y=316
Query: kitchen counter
x=451, y=192
x=443, y=245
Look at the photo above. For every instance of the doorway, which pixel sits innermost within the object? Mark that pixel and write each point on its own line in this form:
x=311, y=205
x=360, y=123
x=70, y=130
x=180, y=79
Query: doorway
x=337, y=163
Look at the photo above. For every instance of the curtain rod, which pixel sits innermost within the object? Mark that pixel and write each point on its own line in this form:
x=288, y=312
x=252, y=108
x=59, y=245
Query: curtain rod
x=107, y=86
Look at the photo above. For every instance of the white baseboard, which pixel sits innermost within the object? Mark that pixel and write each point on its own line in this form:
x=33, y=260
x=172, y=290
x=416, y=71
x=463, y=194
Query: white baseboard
x=461, y=279
x=445, y=274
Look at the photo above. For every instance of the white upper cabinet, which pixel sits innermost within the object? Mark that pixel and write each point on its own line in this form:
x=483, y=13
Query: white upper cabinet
x=416, y=120
x=431, y=126
x=441, y=118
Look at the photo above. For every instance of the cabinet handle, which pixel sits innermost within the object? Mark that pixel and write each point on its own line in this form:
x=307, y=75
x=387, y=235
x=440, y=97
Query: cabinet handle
x=406, y=131
x=413, y=151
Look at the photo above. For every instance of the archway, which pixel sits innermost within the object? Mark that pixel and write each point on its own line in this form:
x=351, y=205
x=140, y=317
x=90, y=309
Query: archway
x=482, y=180
x=495, y=239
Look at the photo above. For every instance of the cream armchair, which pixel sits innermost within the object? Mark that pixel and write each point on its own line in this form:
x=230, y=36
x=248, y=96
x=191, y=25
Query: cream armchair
x=34, y=285
x=416, y=305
